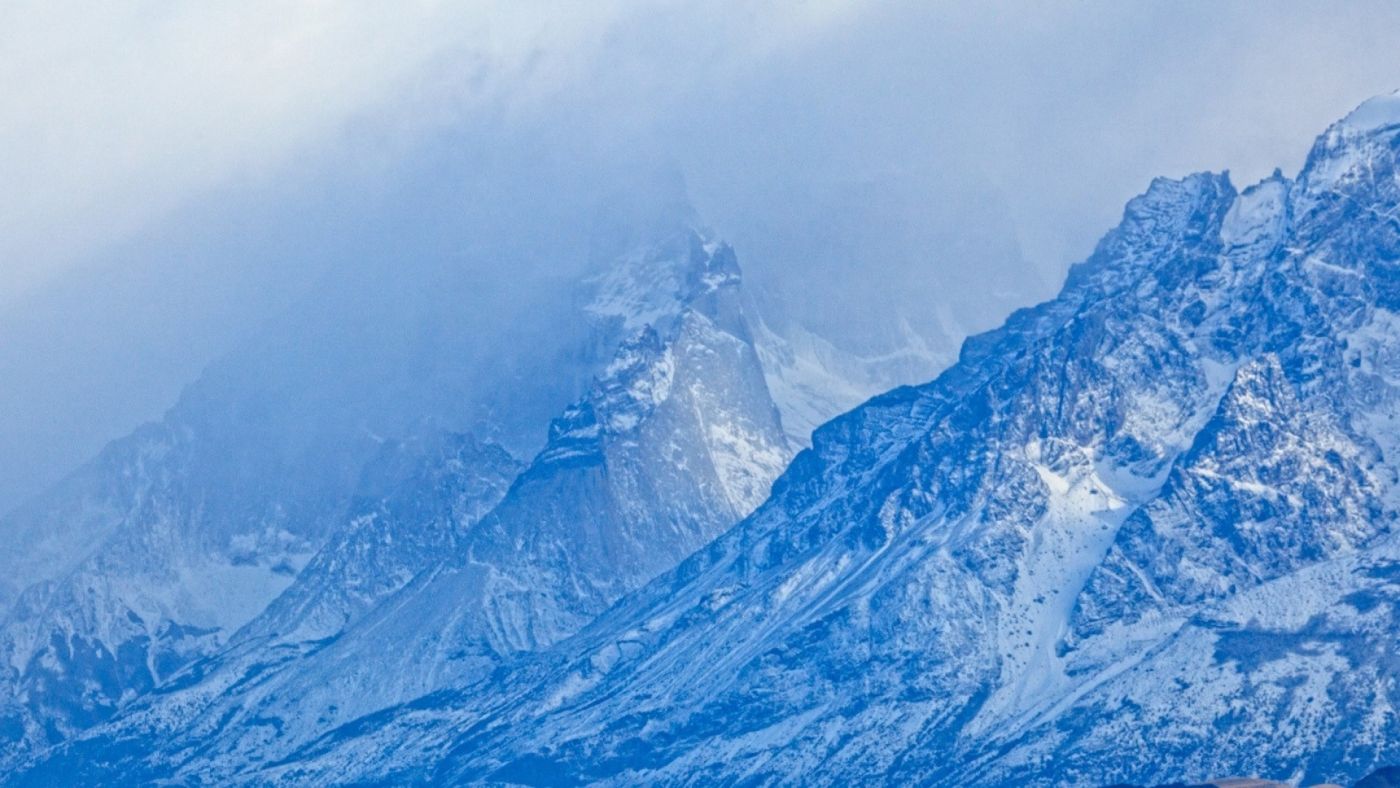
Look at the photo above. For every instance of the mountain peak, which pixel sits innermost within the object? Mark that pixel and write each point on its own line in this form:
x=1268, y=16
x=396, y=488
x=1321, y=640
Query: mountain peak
x=1373, y=114
x=652, y=284
x=1356, y=149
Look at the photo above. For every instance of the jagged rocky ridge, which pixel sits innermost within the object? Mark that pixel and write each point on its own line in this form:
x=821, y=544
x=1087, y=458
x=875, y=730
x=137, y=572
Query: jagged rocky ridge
x=1143, y=532
x=267, y=475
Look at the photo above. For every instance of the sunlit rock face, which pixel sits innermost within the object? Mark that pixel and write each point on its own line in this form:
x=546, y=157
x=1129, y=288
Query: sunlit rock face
x=1141, y=533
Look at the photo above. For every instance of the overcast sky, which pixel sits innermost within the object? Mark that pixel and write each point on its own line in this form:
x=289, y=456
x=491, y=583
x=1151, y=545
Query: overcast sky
x=206, y=137
x=112, y=115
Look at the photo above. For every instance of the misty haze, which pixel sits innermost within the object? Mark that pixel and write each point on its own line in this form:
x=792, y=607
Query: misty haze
x=699, y=393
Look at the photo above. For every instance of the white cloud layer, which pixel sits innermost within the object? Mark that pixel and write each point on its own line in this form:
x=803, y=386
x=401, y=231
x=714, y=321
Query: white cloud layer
x=111, y=114
x=203, y=150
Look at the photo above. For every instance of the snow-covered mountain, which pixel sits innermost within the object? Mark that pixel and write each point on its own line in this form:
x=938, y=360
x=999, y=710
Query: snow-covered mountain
x=1143, y=532
x=151, y=557
x=439, y=572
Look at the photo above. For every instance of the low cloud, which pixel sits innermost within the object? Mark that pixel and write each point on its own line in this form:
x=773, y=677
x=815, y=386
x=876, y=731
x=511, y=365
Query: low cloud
x=175, y=173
